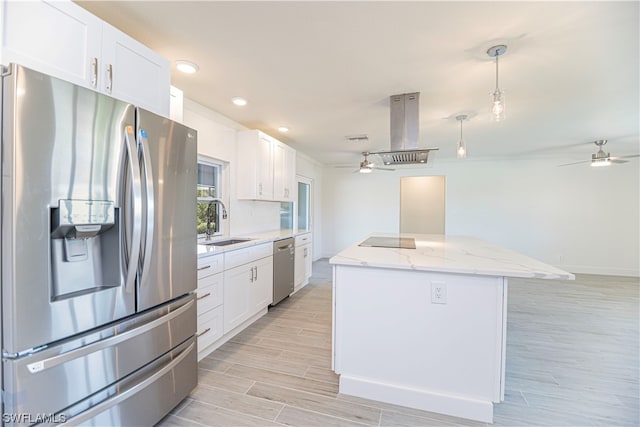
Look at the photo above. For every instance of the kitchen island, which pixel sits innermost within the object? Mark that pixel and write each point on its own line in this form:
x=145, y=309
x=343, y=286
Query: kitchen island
x=425, y=327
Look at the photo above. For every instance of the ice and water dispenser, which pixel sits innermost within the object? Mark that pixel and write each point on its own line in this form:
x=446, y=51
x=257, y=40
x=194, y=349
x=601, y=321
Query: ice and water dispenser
x=84, y=247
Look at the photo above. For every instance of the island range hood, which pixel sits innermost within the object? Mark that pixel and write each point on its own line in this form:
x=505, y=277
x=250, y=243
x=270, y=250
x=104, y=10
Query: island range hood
x=405, y=130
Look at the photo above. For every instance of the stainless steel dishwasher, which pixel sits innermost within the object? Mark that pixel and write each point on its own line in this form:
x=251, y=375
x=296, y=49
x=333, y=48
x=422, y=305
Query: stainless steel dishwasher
x=283, y=268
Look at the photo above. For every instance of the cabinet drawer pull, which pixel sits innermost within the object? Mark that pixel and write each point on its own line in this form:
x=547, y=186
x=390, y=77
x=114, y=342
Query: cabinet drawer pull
x=203, y=332
x=204, y=268
x=94, y=72
x=208, y=294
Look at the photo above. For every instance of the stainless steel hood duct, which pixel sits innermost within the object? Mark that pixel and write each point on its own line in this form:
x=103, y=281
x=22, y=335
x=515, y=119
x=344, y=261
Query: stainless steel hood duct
x=405, y=131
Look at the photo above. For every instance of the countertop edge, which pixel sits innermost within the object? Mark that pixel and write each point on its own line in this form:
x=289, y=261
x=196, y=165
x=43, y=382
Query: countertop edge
x=450, y=254
x=256, y=239
x=341, y=261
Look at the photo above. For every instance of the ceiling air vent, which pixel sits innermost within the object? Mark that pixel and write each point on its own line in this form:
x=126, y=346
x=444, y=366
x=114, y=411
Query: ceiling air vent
x=357, y=138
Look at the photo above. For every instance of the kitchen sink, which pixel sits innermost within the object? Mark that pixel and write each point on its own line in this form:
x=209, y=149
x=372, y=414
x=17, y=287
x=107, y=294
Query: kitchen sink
x=226, y=242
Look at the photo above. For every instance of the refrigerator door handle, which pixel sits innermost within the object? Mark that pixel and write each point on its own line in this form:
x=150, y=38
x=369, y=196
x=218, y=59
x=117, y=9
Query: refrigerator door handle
x=109, y=403
x=149, y=201
x=133, y=251
x=42, y=365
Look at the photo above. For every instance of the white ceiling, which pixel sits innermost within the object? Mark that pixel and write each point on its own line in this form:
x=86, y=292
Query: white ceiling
x=326, y=70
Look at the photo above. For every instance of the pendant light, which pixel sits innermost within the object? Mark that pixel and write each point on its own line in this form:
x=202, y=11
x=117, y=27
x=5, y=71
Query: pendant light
x=497, y=97
x=461, y=151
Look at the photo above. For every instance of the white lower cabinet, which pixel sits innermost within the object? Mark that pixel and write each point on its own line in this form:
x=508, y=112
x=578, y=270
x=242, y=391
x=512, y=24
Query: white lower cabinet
x=262, y=290
x=248, y=288
x=234, y=289
x=209, y=299
x=303, y=260
x=210, y=330
x=238, y=283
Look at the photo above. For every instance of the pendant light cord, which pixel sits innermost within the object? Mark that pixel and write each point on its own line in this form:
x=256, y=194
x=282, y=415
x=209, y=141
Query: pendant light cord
x=497, y=72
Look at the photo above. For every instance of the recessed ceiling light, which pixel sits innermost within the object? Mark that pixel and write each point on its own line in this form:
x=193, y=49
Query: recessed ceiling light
x=283, y=129
x=240, y=102
x=187, y=67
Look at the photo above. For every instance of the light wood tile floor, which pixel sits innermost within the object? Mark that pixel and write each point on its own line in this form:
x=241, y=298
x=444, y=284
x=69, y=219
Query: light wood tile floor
x=572, y=360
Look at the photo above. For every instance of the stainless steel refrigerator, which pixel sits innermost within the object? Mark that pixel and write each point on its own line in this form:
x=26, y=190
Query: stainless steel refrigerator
x=98, y=257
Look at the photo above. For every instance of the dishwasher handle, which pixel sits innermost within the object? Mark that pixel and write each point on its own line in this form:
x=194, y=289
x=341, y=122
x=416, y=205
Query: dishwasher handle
x=282, y=245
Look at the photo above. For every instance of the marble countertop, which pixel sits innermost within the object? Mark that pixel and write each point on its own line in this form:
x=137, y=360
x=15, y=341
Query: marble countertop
x=255, y=239
x=450, y=254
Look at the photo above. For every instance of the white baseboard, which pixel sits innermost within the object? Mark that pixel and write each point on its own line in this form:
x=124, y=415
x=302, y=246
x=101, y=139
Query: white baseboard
x=425, y=400
x=202, y=353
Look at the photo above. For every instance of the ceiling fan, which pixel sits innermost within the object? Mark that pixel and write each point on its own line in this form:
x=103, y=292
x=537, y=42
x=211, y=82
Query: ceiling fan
x=600, y=158
x=366, y=166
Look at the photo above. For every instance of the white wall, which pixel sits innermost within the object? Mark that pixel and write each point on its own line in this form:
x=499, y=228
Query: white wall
x=217, y=139
x=582, y=219
x=309, y=168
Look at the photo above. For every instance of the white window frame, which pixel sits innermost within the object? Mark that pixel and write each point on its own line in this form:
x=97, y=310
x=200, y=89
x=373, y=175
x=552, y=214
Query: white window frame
x=220, y=192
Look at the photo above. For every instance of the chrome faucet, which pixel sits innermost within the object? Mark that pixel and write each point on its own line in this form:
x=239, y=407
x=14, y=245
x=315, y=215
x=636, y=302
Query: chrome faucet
x=224, y=209
x=210, y=213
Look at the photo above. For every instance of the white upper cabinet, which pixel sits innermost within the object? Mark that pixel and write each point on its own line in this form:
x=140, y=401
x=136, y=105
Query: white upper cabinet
x=176, y=104
x=56, y=38
x=133, y=72
x=284, y=172
x=266, y=168
x=255, y=165
x=61, y=39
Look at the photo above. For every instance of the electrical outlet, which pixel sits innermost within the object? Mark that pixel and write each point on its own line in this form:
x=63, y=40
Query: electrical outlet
x=438, y=292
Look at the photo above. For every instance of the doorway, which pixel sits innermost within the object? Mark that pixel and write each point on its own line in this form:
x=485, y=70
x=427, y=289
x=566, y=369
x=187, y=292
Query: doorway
x=422, y=204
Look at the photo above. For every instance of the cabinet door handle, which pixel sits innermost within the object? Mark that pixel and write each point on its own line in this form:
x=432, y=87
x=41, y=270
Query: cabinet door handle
x=256, y=272
x=94, y=72
x=208, y=294
x=109, y=78
x=305, y=252
x=203, y=332
x=204, y=268
x=260, y=188
x=252, y=279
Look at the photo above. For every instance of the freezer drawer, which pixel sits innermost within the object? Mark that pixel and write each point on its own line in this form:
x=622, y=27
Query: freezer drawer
x=61, y=376
x=145, y=397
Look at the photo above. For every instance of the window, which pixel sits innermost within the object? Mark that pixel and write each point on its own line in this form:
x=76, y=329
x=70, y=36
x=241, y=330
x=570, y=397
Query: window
x=208, y=191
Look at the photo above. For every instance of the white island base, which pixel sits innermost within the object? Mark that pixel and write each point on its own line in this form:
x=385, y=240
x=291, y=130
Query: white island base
x=431, y=340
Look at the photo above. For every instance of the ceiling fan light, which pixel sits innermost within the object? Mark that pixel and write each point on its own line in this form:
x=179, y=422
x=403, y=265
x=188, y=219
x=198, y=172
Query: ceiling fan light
x=600, y=162
x=365, y=169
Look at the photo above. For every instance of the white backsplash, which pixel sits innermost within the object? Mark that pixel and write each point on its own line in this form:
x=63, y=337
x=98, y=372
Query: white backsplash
x=249, y=216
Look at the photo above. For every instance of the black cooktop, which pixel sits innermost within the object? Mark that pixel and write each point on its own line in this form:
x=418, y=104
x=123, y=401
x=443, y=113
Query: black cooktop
x=390, y=242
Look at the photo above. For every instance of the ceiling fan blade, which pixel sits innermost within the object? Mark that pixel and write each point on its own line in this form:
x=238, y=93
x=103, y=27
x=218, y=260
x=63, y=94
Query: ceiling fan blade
x=575, y=163
x=344, y=167
x=626, y=157
x=618, y=160
x=384, y=169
